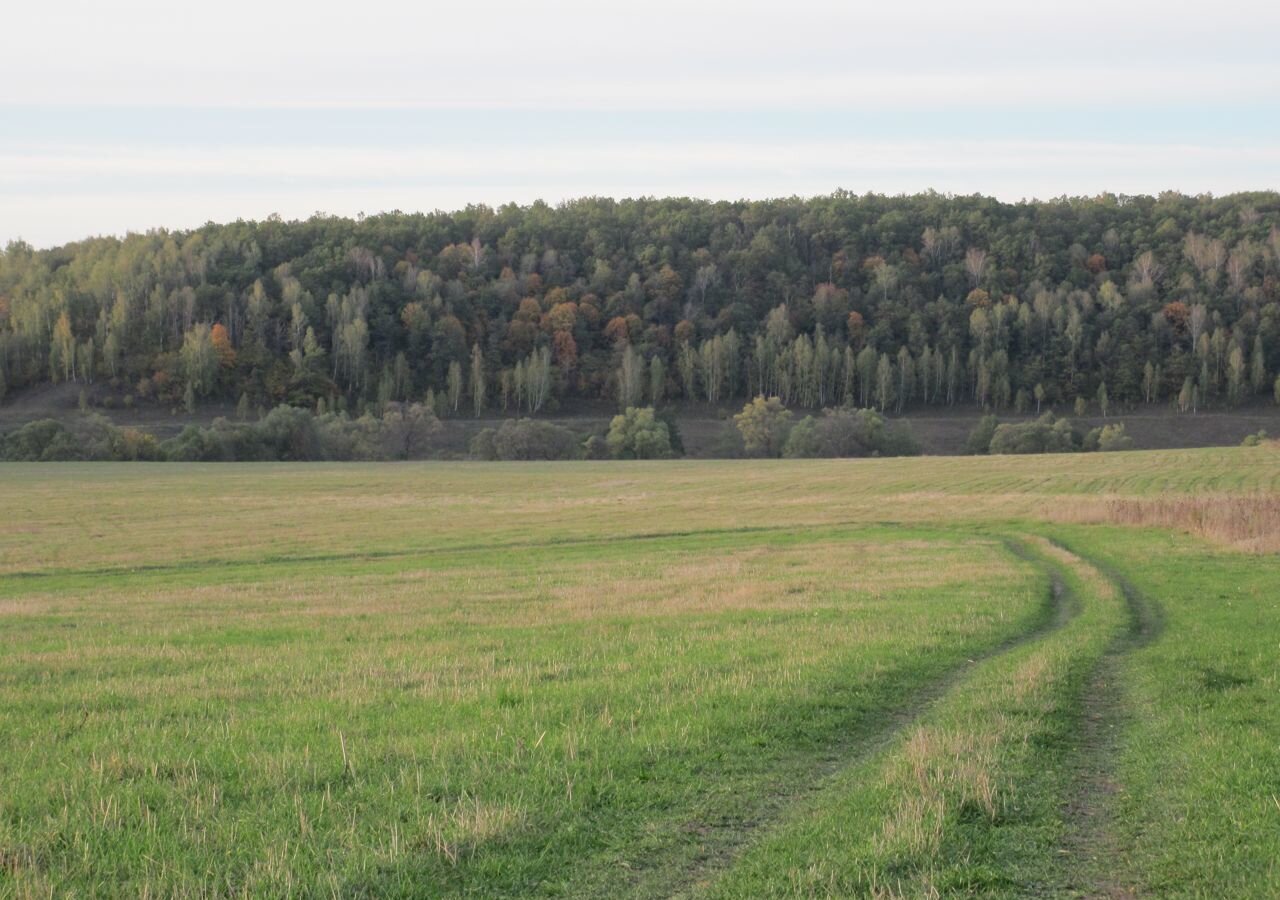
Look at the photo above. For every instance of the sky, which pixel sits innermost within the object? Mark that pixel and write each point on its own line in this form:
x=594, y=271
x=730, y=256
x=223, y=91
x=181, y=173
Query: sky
x=135, y=114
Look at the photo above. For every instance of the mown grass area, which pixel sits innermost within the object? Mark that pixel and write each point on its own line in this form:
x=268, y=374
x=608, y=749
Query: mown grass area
x=834, y=678
x=970, y=799
x=89, y=516
x=530, y=722
x=1198, y=813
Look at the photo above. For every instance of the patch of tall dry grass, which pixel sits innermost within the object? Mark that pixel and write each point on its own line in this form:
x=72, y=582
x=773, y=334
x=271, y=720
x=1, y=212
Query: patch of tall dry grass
x=1248, y=522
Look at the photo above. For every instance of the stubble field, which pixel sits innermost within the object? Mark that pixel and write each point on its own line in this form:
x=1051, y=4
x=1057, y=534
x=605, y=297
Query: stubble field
x=959, y=677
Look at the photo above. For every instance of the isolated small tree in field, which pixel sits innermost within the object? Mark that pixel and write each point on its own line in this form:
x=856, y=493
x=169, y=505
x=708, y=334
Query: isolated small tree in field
x=764, y=425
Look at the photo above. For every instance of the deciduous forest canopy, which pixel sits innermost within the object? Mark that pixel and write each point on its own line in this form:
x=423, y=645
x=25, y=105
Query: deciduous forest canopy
x=889, y=302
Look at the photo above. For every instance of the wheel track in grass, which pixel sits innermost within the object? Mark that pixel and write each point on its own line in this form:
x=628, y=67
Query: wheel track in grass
x=1090, y=846
x=284, y=559
x=726, y=840
x=32, y=578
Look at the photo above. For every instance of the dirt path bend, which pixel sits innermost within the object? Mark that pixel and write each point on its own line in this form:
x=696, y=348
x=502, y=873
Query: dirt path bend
x=1093, y=855
x=722, y=842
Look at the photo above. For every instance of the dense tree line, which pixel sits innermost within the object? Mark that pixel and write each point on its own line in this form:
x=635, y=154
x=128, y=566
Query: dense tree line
x=841, y=300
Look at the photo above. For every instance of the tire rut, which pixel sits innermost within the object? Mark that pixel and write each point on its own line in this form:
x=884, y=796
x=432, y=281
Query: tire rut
x=728, y=840
x=1090, y=848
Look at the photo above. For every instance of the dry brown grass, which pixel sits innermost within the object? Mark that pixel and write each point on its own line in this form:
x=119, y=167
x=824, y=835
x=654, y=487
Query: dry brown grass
x=1098, y=584
x=942, y=769
x=963, y=759
x=70, y=516
x=459, y=830
x=1248, y=522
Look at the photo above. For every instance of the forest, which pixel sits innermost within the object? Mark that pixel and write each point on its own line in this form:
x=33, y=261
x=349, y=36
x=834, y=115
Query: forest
x=869, y=301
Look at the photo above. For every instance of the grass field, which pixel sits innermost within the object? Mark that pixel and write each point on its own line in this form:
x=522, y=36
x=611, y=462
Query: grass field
x=922, y=677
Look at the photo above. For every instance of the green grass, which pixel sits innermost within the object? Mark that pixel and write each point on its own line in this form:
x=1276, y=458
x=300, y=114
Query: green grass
x=528, y=722
x=724, y=679
x=1199, y=815
x=967, y=801
x=90, y=516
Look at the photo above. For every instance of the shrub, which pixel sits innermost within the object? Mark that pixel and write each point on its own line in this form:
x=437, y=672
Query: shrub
x=195, y=444
x=88, y=437
x=595, y=447
x=343, y=438
x=637, y=434
x=667, y=415
x=44, y=439
x=286, y=433
x=1108, y=438
x=407, y=430
x=525, y=439
x=482, y=445
x=899, y=440
x=979, y=440
x=803, y=442
x=1043, y=435
x=764, y=425
x=849, y=433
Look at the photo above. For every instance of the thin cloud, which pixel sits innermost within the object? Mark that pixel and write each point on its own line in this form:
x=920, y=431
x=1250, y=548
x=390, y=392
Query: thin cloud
x=552, y=161
x=289, y=107
x=51, y=198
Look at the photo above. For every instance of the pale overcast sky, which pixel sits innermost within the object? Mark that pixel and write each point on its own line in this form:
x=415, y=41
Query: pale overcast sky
x=132, y=115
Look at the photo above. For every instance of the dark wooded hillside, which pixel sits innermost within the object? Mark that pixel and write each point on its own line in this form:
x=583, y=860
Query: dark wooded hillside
x=891, y=302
